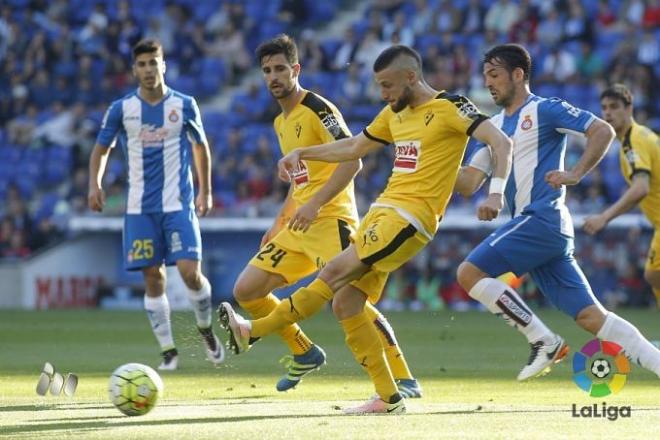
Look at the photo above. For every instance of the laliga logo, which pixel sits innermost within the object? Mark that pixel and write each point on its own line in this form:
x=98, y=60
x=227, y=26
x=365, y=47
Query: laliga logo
x=607, y=368
x=600, y=369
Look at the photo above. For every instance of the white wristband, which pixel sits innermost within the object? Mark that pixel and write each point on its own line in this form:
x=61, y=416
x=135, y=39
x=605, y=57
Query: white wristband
x=497, y=185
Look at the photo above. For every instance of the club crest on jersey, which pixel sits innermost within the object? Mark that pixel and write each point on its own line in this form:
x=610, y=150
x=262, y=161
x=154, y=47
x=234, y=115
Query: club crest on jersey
x=428, y=116
x=527, y=123
x=300, y=175
x=298, y=129
x=407, y=156
x=173, y=117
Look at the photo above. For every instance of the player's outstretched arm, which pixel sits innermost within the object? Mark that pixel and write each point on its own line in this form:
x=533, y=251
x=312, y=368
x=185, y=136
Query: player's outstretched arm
x=343, y=150
x=639, y=188
x=97, y=163
x=502, y=147
x=599, y=137
x=473, y=175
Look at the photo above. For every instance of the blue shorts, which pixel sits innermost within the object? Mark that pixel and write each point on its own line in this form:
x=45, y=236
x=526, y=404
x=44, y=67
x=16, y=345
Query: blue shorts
x=154, y=239
x=527, y=245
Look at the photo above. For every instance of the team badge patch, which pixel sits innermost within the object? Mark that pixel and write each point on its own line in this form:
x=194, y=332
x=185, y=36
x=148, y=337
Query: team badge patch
x=527, y=123
x=173, y=117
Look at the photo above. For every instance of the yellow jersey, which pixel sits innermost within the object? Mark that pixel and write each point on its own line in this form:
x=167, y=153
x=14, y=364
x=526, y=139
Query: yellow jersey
x=640, y=153
x=314, y=121
x=429, y=142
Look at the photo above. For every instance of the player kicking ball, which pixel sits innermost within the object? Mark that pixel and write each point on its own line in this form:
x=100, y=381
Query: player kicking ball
x=429, y=130
x=316, y=220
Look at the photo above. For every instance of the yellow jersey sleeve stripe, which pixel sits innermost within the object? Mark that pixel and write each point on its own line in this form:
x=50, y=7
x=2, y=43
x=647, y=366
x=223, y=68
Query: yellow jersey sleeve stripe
x=374, y=138
x=628, y=147
x=328, y=117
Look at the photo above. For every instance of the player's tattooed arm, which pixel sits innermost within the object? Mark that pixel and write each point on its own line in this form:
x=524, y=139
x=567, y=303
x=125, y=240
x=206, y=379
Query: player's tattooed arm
x=474, y=173
x=502, y=148
x=343, y=150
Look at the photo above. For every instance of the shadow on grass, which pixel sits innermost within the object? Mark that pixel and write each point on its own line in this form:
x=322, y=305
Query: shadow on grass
x=103, y=423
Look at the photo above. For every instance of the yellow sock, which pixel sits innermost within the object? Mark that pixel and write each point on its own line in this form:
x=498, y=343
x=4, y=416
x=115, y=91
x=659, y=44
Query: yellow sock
x=393, y=353
x=293, y=336
x=362, y=338
x=304, y=303
x=657, y=297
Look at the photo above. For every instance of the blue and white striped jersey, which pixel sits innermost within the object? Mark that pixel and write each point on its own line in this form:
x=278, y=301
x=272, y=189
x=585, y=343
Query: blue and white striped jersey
x=157, y=143
x=538, y=130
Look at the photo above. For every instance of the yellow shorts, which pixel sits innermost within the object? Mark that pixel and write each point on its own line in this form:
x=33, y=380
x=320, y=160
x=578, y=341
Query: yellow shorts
x=653, y=260
x=385, y=241
x=295, y=255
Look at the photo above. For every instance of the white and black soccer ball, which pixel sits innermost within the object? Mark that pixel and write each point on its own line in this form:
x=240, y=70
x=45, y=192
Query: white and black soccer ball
x=135, y=389
x=600, y=368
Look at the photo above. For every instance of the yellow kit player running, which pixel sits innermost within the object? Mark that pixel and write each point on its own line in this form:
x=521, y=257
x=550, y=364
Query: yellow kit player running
x=429, y=131
x=640, y=164
x=315, y=222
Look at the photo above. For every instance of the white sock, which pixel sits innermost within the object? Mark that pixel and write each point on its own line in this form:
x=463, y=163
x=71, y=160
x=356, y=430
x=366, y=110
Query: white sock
x=637, y=348
x=158, y=311
x=201, y=302
x=503, y=301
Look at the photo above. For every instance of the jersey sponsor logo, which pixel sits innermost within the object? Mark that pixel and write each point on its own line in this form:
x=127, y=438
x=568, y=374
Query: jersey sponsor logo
x=407, y=156
x=300, y=175
x=527, y=123
x=298, y=129
x=150, y=136
x=173, y=117
x=331, y=124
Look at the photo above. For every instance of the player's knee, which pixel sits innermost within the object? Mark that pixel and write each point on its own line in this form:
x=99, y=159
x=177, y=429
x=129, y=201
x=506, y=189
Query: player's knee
x=468, y=275
x=348, y=303
x=332, y=275
x=192, y=279
x=242, y=289
x=653, y=278
x=591, y=319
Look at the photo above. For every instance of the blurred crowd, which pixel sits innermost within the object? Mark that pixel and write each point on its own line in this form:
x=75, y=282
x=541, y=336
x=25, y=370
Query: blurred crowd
x=63, y=61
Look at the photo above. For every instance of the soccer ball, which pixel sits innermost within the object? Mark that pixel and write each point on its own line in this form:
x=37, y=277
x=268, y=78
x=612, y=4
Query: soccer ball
x=600, y=368
x=135, y=388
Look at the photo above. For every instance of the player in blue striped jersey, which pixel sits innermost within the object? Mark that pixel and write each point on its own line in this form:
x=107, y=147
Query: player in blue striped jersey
x=539, y=238
x=160, y=132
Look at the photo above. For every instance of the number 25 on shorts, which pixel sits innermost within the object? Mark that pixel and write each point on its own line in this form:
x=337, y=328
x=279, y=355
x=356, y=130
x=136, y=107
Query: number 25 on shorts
x=142, y=249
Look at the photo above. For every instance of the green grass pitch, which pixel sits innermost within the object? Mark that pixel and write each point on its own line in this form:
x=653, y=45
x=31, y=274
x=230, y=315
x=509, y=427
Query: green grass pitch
x=466, y=362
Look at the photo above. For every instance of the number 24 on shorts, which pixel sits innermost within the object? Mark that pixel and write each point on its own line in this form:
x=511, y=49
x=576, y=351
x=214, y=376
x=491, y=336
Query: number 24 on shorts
x=275, y=257
x=142, y=249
